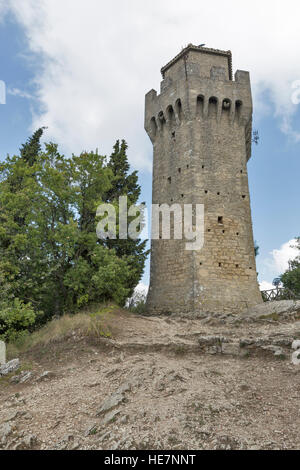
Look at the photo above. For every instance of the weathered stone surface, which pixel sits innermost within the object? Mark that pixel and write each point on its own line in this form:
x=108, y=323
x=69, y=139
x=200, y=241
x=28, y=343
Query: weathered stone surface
x=110, y=417
x=45, y=376
x=231, y=349
x=211, y=340
x=272, y=310
x=12, y=415
x=200, y=126
x=115, y=399
x=112, y=402
x=2, y=353
x=27, y=443
x=25, y=376
x=9, y=367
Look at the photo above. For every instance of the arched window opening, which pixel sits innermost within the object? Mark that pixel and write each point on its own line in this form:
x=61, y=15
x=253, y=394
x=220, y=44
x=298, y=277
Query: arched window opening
x=161, y=117
x=153, y=126
x=178, y=107
x=212, y=106
x=238, y=109
x=171, y=116
x=200, y=105
x=226, y=105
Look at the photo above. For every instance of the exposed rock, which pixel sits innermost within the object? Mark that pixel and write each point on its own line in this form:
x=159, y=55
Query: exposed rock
x=211, y=344
x=45, y=375
x=115, y=399
x=272, y=310
x=272, y=348
x=211, y=340
x=22, y=378
x=9, y=367
x=125, y=387
x=231, y=349
x=27, y=443
x=111, y=402
x=110, y=417
x=12, y=415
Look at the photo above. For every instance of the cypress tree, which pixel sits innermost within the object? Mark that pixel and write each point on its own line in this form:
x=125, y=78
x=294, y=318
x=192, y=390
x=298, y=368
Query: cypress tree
x=125, y=183
x=30, y=150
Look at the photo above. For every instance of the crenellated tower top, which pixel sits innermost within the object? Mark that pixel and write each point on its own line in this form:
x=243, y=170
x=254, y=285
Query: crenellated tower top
x=195, y=80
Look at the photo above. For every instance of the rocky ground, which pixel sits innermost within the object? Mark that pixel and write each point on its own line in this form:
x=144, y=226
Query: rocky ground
x=215, y=382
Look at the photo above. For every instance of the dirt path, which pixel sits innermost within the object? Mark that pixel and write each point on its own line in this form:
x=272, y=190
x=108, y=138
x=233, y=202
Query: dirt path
x=161, y=383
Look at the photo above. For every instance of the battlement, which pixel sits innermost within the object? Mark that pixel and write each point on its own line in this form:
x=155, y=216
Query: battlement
x=198, y=85
x=206, y=101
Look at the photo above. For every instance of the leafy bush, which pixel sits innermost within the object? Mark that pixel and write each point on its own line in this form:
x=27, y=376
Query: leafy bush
x=15, y=319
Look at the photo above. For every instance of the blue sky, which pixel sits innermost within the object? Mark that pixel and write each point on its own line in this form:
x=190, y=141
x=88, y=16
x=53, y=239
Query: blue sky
x=82, y=71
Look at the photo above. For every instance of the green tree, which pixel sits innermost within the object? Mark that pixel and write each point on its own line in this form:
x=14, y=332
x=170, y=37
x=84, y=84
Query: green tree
x=291, y=278
x=51, y=260
x=30, y=150
x=125, y=183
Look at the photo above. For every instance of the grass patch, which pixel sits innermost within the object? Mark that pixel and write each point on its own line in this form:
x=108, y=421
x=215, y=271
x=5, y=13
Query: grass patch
x=97, y=322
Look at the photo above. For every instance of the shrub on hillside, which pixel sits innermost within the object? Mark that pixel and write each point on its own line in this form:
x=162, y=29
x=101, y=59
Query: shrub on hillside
x=15, y=319
x=50, y=256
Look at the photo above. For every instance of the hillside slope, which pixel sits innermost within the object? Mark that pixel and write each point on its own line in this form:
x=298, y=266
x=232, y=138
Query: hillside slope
x=159, y=383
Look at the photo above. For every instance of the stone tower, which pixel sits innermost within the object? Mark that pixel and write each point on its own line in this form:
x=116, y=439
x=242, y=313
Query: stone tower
x=201, y=129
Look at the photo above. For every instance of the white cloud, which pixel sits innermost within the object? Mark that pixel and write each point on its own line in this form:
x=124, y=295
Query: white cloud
x=142, y=288
x=98, y=59
x=278, y=262
x=139, y=295
x=288, y=251
x=3, y=9
x=264, y=285
x=20, y=93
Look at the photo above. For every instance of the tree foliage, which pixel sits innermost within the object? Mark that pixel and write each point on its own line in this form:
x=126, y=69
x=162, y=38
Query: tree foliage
x=291, y=278
x=51, y=260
